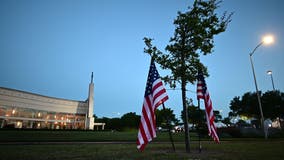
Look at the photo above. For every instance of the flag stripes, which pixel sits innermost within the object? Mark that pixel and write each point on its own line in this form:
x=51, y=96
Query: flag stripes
x=202, y=93
x=155, y=95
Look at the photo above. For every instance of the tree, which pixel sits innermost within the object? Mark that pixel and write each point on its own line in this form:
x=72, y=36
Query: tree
x=165, y=116
x=115, y=124
x=193, y=35
x=197, y=117
x=127, y=121
x=246, y=106
x=227, y=121
x=235, y=106
x=217, y=115
x=130, y=120
x=272, y=105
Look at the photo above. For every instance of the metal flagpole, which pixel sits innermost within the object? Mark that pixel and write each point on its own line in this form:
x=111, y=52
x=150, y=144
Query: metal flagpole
x=169, y=129
x=199, y=125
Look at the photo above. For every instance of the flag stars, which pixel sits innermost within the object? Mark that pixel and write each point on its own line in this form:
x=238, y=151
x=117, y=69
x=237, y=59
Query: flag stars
x=153, y=76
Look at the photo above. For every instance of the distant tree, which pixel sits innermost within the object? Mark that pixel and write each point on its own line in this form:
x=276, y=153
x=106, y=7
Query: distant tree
x=102, y=120
x=232, y=114
x=246, y=106
x=130, y=120
x=165, y=116
x=95, y=117
x=217, y=115
x=115, y=124
x=272, y=105
x=111, y=123
x=197, y=117
x=194, y=33
x=227, y=121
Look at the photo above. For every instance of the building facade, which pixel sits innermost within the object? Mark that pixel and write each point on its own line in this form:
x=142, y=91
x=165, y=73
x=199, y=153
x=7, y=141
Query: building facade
x=20, y=109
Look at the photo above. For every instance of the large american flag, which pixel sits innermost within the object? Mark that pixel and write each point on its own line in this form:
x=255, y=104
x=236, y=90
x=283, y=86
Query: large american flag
x=202, y=93
x=155, y=95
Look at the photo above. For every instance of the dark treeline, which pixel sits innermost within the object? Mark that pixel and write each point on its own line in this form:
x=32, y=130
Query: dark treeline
x=247, y=105
x=130, y=121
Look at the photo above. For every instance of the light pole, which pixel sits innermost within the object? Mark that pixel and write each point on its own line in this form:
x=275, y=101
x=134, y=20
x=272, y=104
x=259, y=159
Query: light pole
x=269, y=72
x=265, y=40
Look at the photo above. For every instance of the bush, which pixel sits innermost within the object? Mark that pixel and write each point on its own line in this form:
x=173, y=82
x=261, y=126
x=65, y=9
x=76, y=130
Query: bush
x=229, y=132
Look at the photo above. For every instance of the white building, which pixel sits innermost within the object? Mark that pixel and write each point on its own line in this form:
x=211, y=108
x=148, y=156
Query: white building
x=20, y=109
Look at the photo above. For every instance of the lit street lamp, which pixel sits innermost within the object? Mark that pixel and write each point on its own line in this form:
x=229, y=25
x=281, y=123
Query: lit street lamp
x=265, y=40
x=270, y=73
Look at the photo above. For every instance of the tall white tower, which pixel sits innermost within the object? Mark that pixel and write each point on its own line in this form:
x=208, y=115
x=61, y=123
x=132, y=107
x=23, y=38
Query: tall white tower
x=90, y=118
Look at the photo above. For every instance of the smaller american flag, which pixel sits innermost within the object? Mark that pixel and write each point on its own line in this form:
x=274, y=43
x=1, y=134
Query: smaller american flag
x=202, y=93
x=155, y=95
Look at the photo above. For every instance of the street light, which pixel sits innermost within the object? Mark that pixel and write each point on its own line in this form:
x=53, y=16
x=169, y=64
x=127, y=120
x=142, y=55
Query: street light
x=266, y=40
x=269, y=72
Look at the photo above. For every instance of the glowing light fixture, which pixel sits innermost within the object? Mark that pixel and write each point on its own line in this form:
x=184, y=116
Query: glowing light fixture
x=269, y=72
x=268, y=39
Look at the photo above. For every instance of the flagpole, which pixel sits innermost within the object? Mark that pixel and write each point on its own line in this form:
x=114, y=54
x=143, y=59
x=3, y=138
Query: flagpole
x=199, y=125
x=169, y=129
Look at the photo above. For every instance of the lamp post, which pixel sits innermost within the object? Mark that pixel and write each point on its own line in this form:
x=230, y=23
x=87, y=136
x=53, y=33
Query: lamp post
x=269, y=72
x=265, y=40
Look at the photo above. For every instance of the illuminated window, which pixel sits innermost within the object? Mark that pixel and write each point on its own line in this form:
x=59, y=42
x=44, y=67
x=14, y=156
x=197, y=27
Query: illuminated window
x=18, y=124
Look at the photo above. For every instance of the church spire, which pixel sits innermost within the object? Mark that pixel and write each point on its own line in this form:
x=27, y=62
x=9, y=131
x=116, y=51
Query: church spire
x=90, y=110
x=92, y=77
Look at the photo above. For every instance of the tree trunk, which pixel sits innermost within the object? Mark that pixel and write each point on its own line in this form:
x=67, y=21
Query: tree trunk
x=186, y=130
x=183, y=92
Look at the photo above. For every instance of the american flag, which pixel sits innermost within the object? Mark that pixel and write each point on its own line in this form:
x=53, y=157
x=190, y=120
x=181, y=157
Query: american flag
x=202, y=93
x=155, y=95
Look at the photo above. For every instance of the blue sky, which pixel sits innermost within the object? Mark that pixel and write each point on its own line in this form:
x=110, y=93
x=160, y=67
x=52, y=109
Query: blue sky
x=51, y=48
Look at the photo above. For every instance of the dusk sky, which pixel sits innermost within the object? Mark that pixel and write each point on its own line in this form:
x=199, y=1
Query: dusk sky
x=50, y=47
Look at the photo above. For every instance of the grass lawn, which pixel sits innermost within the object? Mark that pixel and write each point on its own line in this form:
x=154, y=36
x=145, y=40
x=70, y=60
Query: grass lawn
x=252, y=150
x=81, y=136
x=235, y=149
